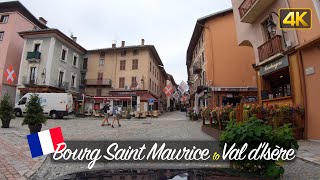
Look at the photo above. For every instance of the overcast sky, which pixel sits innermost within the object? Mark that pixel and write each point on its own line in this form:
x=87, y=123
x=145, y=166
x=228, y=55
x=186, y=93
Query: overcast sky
x=167, y=24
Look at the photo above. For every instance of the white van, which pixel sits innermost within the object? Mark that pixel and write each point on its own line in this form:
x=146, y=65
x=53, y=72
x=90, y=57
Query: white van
x=55, y=105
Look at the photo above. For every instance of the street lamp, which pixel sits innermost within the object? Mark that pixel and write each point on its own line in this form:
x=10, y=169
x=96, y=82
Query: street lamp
x=271, y=26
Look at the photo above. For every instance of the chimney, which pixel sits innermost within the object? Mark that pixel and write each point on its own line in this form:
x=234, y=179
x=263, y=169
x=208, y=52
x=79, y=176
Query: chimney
x=73, y=38
x=123, y=43
x=113, y=45
x=142, y=42
x=42, y=21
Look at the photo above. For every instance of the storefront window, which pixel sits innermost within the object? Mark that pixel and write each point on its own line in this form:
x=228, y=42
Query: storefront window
x=276, y=85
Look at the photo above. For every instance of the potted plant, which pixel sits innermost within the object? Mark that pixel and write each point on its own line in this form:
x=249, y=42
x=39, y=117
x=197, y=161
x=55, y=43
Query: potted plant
x=6, y=111
x=129, y=113
x=34, y=114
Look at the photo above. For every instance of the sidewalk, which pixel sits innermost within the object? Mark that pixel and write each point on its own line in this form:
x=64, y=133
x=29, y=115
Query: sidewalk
x=309, y=151
x=15, y=158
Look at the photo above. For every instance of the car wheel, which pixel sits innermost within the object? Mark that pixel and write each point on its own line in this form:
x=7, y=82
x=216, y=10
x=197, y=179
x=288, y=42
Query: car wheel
x=18, y=113
x=54, y=115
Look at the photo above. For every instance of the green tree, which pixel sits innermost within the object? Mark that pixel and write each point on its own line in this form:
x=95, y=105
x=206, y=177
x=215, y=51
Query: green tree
x=6, y=109
x=34, y=112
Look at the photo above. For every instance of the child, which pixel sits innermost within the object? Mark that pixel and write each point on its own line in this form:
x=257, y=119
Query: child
x=105, y=112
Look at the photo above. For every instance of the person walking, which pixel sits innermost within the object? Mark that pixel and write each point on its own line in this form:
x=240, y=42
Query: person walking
x=116, y=113
x=105, y=110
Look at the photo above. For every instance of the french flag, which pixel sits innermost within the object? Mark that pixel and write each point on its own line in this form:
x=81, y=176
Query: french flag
x=45, y=142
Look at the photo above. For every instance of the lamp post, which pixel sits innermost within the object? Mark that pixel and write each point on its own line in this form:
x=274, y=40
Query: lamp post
x=43, y=75
x=272, y=27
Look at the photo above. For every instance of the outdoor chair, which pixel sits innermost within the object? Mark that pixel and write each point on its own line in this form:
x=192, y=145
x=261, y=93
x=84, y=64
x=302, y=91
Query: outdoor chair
x=144, y=115
x=155, y=114
x=136, y=114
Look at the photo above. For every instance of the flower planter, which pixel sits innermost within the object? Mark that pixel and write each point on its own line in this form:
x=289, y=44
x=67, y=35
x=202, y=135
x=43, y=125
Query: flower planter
x=5, y=123
x=35, y=128
x=128, y=116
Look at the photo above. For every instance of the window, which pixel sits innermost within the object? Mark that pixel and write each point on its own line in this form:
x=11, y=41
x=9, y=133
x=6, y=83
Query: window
x=1, y=35
x=73, y=80
x=134, y=82
x=136, y=52
x=36, y=47
x=64, y=54
x=4, y=18
x=102, y=55
x=135, y=64
x=123, y=52
x=100, y=76
x=23, y=101
x=85, y=63
x=60, y=80
x=202, y=57
x=149, y=83
x=276, y=85
x=150, y=66
x=98, y=92
x=121, y=82
x=101, y=62
x=32, y=77
x=317, y=7
x=75, y=60
x=123, y=65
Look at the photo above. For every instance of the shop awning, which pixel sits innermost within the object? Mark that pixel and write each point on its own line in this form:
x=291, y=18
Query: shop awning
x=112, y=98
x=146, y=97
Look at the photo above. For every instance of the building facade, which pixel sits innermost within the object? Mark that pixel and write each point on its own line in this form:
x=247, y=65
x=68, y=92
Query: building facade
x=127, y=76
x=285, y=60
x=219, y=71
x=50, y=62
x=14, y=18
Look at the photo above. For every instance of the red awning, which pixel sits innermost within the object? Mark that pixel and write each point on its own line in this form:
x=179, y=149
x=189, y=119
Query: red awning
x=146, y=97
x=112, y=98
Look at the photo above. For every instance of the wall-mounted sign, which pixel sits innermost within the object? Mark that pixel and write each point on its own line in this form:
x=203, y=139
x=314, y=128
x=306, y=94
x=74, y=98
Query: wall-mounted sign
x=274, y=66
x=309, y=71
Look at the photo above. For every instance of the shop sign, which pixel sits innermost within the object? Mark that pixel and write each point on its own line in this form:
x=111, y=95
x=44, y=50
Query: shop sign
x=274, y=66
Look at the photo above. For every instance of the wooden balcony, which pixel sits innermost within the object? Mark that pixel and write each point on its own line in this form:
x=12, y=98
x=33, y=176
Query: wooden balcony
x=270, y=48
x=249, y=10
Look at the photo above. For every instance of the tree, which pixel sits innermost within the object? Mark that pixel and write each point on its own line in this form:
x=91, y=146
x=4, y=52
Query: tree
x=34, y=112
x=6, y=111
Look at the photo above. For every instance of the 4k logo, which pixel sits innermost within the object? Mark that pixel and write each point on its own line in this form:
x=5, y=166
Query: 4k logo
x=295, y=18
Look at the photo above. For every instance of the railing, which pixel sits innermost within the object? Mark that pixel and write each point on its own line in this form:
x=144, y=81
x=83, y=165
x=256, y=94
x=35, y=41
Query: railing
x=245, y=7
x=33, y=56
x=106, y=82
x=270, y=48
x=196, y=68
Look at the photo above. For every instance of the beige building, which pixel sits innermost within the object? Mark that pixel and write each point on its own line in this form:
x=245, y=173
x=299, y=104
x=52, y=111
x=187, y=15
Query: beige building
x=286, y=60
x=125, y=76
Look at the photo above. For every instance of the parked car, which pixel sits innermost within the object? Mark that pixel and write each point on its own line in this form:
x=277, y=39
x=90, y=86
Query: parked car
x=55, y=105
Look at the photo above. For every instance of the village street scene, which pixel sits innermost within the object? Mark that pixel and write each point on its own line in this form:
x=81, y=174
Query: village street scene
x=229, y=72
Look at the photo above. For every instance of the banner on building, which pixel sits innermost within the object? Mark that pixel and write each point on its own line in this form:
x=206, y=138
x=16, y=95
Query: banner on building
x=183, y=87
x=168, y=90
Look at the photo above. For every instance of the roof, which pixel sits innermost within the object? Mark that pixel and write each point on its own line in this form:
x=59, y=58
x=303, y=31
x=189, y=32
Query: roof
x=172, y=80
x=150, y=47
x=198, y=30
x=51, y=31
x=12, y=6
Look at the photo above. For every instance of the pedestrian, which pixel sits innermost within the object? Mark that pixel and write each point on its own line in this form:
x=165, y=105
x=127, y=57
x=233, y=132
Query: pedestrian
x=116, y=113
x=105, y=110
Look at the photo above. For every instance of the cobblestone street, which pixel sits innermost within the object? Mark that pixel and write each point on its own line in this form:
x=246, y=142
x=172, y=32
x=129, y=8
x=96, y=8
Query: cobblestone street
x=17, y=163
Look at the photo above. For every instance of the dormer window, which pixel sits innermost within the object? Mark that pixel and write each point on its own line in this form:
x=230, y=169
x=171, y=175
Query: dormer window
x=4, y=18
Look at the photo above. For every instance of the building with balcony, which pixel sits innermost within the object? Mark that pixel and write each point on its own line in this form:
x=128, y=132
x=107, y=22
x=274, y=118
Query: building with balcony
x=14, y=17
x=286, y=61
x=50, y=62
x=219, y=72
x=127, y=76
